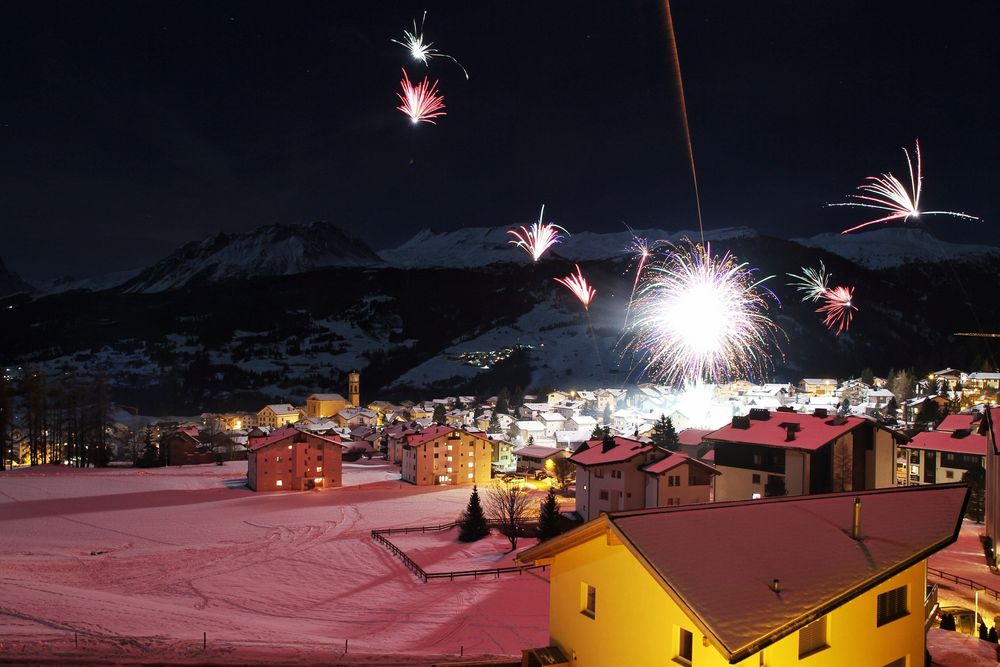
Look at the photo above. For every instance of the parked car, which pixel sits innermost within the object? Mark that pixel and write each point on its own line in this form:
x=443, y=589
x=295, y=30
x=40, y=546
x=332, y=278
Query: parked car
x=963, y=619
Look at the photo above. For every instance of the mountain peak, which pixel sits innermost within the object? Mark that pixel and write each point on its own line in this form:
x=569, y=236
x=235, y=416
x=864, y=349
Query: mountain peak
x=889, y=247
x=11, y=283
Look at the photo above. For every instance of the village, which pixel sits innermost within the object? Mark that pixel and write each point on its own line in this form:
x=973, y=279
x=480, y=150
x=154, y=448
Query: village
x=824, y=459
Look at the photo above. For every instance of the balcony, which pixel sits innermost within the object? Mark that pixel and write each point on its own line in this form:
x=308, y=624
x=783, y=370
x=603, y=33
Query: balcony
x=930, y=606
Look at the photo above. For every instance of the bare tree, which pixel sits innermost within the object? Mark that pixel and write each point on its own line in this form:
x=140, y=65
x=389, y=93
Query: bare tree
x=564, y=471
x=508, y=506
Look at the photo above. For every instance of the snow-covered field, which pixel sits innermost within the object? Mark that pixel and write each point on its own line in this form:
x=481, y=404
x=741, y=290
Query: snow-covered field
x=135, y=565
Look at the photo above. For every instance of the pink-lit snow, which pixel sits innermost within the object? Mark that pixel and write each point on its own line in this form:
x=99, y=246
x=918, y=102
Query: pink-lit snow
x=136, y=564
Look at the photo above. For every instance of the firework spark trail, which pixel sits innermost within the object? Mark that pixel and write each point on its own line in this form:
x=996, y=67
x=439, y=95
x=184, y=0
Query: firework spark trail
x=578, y=285
x=837, y=308
x=701, y=317
x=414, y=42
x=887, y=193
x=812, y=282
x=421, y=102
x=539, y=238
x=640, y=247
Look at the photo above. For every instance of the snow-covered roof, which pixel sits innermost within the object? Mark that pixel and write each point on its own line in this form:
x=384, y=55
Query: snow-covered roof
x=625, y=449
x=280, y=408
x=880, y=393
x=438, y=431
x=812, y=431
x=944, y=441
x=804, y=543
x=539, y=407
x=551, y=417
x=819, y=381
x=531, y=426
x=984, y=376
x=284, y=433
x=538, y=452
x=674, y=459
x=325, y=397
x=584, y=420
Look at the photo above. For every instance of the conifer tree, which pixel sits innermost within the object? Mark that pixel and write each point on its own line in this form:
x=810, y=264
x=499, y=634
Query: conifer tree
x=439, y=414
x=473, y=525
x=664, y=434
x=548, y=517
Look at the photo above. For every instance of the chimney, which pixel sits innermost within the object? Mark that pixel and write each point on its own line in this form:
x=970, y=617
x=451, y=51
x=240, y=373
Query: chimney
x=776, y=586
x=856, y=524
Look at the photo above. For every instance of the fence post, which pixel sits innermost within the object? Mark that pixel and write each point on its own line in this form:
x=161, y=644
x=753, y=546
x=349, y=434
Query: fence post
x=345, y=647
x=204, y=640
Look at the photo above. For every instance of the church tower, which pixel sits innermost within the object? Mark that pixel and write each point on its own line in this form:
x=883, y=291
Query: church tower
x=354, y=388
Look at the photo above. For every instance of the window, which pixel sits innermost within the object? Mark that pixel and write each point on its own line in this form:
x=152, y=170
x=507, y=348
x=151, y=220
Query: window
x=603, y=495
x=319, y=457
x=674, y=480
x=278, y=483
x=685, y=646
x=470, y=475
x=891, y=605
x=950, y=474
x=435, y=454
x=319, y=468
x=812, y=638
x=755, y=479
x=757, y=459
x=277, y=459
x=588, y=600
x=898, y=662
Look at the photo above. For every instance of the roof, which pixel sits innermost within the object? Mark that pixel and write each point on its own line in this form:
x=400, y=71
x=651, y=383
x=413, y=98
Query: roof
x=814, y=432
x=804, y=542
x=674, y=459
x=530, y=425
x=284, y=433
x=280, y=408
x=584, y=420
x=538, y=452
x=624, y=450
x=955, y=422
x=437, y=431
x=984, y=376
x=325, y=397
x=819, y=381
x=551, y=417
x=692, y=436
x=945, y=441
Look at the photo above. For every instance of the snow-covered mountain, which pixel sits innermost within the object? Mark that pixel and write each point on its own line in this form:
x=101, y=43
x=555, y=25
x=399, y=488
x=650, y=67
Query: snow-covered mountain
x=11, y=283
x=274, y=250
x=479, y=246
x=104, y=281
x=891, y=247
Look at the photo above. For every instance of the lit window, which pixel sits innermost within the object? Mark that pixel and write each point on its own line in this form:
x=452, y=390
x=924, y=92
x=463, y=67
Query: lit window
x=319, y=468
x=289, y=446
x=891, y=605
x=812, y=638
x=470, y=475
x=588, y=600
x=278, y=483
x=685, y=646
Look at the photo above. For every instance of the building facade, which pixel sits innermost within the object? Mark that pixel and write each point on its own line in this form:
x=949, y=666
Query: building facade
x=446, y=455
x=293, y=460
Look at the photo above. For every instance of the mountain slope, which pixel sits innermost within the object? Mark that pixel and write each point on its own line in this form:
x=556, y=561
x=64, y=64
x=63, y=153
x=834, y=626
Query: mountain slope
x=274, y=250
x=11, y=283
x=895, y=246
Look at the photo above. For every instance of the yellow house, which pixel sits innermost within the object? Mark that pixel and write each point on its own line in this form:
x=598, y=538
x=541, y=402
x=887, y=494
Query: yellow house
x=277, y=415
x=820, y=581
x=324, y=405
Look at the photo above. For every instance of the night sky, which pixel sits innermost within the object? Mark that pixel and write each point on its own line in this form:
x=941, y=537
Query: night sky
x=127, y=129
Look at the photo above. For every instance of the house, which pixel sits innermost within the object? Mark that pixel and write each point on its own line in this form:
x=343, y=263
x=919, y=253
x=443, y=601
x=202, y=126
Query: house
x=690, y=441
x=446, y=455
x=932, y=457
x=324, y=405
x=989, y=427
x=277, y=415
x=959, y=421
x=817, y=581
x=525, y=432
x=983, y=381
x=770, y=452
x=537, y=457
x=502, y=458
x=608, y=477
x=555, y=397
x=184, y=447
x=818, y=386
x=351, y=417
x=552, y=421
x=395, y=437
x=580, y=423
x=292, y=460
x=678, y=479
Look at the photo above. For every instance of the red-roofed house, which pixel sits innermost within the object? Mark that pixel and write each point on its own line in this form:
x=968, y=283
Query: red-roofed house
x=446, y=455
x=608, y=478
x=806, y=453
x=941, y=456
x=537, y=457
x=784, y=581
x=678, y=479
x=182, y=447
x=959, y=421
x=292, y=460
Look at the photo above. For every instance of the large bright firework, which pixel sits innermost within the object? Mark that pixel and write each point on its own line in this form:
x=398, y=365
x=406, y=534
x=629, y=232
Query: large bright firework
x=702, y=317
x=538, y=238
x=812, y=283
x=578, y=285
x=414, y=42
x=420, y=102
x=837, y=308
x=887, y=193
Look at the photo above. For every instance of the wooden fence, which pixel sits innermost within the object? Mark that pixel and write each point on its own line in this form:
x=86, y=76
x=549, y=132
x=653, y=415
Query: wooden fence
x=963, y=581
x=379, y=535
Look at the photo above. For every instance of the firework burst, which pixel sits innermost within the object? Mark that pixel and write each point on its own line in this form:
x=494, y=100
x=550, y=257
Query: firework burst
x=578, y=285
x=812, y=283
x=420, y=102
x=538, y=238
x=837, y=308
x=888, y=193
x=414, y=43
x=639, y=247
x=701, y=317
